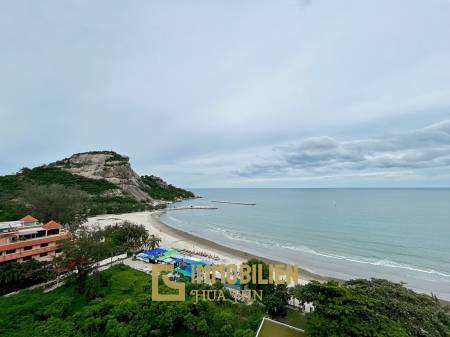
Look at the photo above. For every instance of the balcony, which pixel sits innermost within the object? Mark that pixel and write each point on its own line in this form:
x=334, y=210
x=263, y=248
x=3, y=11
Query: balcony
x=36, y=241
x=19, y=255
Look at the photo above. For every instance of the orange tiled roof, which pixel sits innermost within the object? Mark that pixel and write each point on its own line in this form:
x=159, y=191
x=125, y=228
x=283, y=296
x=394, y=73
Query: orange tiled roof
x=52, y=225
x=28, y=218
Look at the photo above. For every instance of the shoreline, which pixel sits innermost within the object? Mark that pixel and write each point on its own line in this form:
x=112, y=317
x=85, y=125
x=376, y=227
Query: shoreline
x=241, y=255
x=181, y=240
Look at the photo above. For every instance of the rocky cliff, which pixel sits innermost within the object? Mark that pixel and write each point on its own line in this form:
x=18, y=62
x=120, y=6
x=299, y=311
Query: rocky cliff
x=116, y=169
x=109, y=166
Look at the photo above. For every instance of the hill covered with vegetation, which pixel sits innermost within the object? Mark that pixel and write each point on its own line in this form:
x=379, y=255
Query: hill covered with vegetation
x=104, y=176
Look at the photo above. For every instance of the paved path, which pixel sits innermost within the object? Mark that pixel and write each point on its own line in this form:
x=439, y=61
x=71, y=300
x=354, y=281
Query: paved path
x=138, y=265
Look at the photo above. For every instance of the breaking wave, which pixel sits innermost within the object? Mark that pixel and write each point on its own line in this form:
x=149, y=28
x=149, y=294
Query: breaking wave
x=266, y=242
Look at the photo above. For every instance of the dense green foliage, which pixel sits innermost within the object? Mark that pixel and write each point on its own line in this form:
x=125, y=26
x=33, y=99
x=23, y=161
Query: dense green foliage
x=123, y=308
x=129, y=237
x=293, y=318
x=15, y=276
x=88, y=246
x=372, y=308
x=102, y=198
x=81, y=252
x=45, y=175
x=12, y=188
x=156, y=189
x=116, y=205
x=275, y=297
x=10, y=208
x=47, y=202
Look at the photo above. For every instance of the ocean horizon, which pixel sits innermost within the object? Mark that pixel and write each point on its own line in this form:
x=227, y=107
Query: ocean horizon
x=399, y=234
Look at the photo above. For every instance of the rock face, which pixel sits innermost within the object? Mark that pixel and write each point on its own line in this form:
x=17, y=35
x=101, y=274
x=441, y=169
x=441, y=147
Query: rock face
x=111, y=167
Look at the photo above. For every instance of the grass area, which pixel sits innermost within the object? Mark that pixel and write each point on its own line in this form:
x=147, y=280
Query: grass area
x=124, y=309
x=273, y=329
x=127, y=283
x=294, y=318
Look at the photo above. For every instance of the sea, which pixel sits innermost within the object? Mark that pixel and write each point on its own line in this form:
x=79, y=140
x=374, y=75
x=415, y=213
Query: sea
x=402, y=235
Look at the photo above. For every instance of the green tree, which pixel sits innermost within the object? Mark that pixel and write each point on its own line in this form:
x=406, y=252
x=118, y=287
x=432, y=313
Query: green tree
x=244, y=333
x=275, y=298
x=66, y=312
x=82, y=251
x=67, y=205
x=265, y=273
x=153, y=241
x=15, y=276
x=129, y=237
x=371, y=308
x=97, y=286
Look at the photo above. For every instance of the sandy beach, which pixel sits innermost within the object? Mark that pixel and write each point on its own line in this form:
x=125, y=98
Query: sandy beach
x=175, y=238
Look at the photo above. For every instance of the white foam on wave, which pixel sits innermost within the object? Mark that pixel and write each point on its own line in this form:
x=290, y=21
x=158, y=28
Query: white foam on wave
x=268, y=242
x=381, y=262
x=237, y=236
x=173, y=219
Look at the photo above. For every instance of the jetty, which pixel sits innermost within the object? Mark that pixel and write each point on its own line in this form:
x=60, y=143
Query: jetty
x=189, y=207
x=233, y=202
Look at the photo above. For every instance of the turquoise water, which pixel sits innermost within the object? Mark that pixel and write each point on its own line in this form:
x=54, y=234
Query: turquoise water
x=397, y=234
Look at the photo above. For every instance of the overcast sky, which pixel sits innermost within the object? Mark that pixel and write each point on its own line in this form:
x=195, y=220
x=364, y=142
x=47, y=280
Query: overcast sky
x=291, y=93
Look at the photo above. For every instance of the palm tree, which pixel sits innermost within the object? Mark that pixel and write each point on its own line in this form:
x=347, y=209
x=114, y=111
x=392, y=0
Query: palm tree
x=153, y=241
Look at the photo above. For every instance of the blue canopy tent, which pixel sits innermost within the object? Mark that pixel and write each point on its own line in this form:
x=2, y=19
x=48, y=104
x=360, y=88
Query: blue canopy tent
x=154, y=253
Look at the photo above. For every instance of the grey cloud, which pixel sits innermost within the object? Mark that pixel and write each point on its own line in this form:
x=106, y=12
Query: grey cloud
x=428, y=147
x=188, y=87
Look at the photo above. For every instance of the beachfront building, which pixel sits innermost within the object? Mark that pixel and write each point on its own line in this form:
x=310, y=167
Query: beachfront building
x=28, y=239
